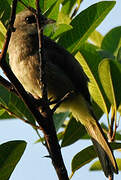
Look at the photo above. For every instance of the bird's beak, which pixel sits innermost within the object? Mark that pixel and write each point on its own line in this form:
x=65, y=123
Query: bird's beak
x=49, y=21
x=45, y=21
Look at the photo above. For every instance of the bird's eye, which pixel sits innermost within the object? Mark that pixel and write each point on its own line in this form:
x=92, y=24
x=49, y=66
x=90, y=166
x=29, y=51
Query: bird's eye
x=30, y=19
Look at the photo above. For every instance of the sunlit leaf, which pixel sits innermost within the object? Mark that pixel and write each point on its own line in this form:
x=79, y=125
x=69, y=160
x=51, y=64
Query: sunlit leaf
x=84, y=24
x=89, y=60
x=54, y=10
x=96, y=166
x=96, y=38
x=67, y=6
x=110, y=73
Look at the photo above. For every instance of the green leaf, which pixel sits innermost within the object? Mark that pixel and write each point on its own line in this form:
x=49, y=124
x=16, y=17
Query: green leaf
x=46, y=4
x=74, y=131
x=67, y=6
x=82, y=158
x=60, y=30
x=112, y=40
x=119, y=55
x=10, y=154
x=54, y=10
x=59, y=119
x=49, y=30
x=17, y=106
x=2, y=34
x=97, y=110
x=2, y=38
x=55, y=30
x=110, y=73
x=106, y=54
x=21, y=7
x=4, y=96
x=86, y=155
x=96, y=38
x=89, y=60
x=4, y=12
x=96, y=166
x=118, y=136
x=119, y=163
x=2, y=111
x=63, y=18
x=5, y=116
x=84, y=24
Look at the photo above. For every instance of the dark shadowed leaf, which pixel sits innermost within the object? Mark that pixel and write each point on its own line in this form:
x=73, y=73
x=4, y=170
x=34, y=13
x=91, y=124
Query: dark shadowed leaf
x=87, y=155
x=59, y=119
x=17, y=106
x=4, y=96
x=119, y=55
x=10, y=154
x=74, y=131
x=4, y=12
x=112, y=40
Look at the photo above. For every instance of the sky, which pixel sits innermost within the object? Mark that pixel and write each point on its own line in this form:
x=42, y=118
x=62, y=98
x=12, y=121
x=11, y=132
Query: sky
x=33, y=165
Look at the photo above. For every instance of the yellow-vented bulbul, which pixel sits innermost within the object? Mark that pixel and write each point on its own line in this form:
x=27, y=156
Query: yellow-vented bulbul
x=64, y=74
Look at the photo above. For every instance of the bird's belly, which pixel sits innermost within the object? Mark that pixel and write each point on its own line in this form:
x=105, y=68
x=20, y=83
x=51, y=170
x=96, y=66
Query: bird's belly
x=27, y=76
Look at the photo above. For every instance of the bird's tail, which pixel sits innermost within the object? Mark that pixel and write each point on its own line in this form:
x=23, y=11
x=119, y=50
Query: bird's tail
x=103, y=149
x=82, y=113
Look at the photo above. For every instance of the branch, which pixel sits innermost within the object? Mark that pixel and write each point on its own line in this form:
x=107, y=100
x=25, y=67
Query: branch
x=50, y=136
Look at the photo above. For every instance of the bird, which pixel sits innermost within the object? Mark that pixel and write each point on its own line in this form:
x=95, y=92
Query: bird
x=64, y=75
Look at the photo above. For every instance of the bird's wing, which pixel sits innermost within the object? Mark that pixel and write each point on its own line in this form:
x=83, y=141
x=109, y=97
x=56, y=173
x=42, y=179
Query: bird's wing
x=70, y=66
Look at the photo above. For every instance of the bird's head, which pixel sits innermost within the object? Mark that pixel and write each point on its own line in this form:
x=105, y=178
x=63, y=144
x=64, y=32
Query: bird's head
x=27, y=17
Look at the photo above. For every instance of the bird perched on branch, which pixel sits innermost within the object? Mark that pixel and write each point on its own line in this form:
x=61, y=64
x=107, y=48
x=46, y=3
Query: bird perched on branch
x=64, y=74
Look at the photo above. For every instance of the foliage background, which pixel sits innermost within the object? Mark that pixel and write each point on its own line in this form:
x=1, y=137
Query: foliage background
x=33, y=164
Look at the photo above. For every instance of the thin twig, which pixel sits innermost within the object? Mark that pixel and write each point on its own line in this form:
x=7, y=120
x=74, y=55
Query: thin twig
x=16, y=116
x=7, y=85
x=64, y=98
x=41, y=53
